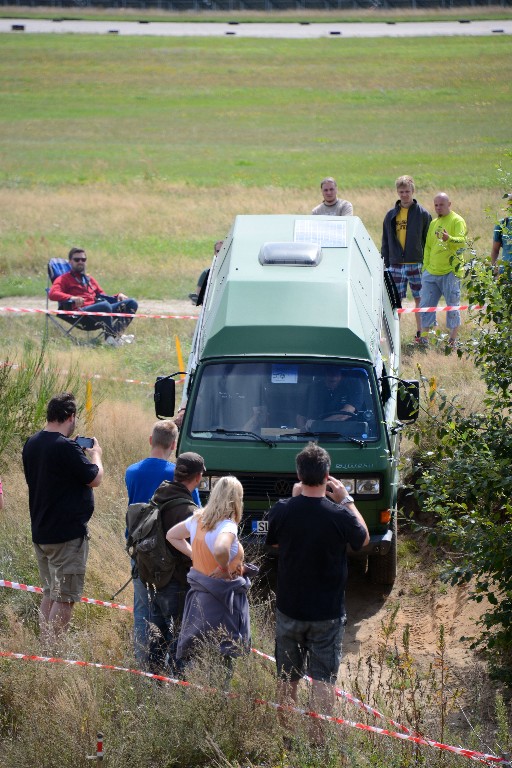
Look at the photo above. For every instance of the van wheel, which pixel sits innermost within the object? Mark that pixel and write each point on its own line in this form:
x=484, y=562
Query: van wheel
x=382, y=569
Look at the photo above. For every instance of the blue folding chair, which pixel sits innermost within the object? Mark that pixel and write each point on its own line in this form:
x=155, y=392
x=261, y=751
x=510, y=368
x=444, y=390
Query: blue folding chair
x=92, y=326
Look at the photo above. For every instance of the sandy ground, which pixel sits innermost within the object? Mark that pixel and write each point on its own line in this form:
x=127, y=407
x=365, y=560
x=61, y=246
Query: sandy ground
x=424, y=604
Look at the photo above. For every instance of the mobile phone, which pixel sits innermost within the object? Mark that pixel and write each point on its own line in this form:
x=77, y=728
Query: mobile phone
x=84, y=442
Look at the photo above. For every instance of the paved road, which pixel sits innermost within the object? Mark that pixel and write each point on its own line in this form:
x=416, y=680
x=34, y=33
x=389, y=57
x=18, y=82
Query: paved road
x=292, y=31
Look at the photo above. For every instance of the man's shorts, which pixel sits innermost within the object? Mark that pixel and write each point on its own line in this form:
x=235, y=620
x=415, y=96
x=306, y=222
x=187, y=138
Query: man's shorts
x=407, y=273
x=309, y=647
x=62, y=569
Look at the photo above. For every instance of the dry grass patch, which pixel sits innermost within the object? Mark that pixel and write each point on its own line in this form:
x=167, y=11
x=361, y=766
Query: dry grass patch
x=152, y=240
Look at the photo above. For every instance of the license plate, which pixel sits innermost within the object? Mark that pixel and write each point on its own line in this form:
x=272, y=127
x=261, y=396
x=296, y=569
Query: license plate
x=259, y=527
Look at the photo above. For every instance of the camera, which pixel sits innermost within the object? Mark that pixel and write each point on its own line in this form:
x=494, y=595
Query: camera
x=84, y=442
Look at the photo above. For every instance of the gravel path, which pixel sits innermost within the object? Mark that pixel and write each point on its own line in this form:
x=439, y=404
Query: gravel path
x=146, y=306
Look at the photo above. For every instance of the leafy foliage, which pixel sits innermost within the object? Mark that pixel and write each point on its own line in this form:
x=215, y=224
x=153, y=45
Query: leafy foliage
x=25, y=389
x=472, y=455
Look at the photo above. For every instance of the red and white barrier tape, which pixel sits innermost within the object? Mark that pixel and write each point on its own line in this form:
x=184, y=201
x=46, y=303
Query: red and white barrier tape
x=87, y=376
x=88, y=600
x=406, y=732
x=410, y=310
x=339, y=692
x=76, y=312
x=352, y=699
x=469, y=753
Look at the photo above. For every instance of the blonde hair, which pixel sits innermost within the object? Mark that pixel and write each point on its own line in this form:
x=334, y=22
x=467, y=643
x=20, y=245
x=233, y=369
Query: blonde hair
x=225, y=503
x=405, y=181
x=164, y=434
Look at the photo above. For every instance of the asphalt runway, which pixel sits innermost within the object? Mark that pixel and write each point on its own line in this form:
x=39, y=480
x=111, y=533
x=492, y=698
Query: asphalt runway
x=297, y=30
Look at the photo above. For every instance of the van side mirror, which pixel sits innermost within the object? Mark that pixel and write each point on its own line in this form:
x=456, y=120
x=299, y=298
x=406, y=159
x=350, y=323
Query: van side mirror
x=164, y=396
x=408, y=400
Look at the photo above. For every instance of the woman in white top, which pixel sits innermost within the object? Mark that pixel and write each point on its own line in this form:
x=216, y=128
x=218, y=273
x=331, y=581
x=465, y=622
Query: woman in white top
x=213, y=531
x=216, y=603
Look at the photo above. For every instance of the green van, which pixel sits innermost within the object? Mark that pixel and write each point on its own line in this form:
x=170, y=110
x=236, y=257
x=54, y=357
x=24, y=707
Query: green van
x=298, y=340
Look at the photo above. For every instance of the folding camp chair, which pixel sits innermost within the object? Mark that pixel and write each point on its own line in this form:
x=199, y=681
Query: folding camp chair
x=92, y=326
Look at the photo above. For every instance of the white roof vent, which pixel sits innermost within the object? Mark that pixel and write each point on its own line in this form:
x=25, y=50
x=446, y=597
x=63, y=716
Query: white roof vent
x=290, y=254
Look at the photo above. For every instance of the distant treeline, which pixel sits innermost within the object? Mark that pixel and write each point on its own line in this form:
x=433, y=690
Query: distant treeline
x=260, y=5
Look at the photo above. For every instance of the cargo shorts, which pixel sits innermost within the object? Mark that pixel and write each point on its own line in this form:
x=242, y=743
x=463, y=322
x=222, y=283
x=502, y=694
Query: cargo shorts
x=62, y=569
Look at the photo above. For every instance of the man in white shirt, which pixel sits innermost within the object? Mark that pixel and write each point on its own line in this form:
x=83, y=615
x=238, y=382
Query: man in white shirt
x=332, y=205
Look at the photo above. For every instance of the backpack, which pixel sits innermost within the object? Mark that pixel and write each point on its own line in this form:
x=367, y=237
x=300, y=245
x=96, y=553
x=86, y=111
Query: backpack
x=146, y=542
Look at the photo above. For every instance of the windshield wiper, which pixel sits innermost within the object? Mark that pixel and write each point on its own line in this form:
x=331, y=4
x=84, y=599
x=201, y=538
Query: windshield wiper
x=346, y=438
x=220, y=431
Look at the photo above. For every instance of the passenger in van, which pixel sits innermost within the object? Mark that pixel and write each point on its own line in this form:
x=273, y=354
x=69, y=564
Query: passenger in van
x=197, y=297
x=335, y=397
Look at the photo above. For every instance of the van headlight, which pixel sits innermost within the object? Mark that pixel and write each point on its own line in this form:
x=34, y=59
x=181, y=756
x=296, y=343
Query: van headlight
x=368, y=486
x=349, y=484
x=208, y=482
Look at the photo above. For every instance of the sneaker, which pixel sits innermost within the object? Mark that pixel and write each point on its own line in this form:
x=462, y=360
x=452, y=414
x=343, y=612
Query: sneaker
x=421, y=340
x=113, y=341
x=127, y=338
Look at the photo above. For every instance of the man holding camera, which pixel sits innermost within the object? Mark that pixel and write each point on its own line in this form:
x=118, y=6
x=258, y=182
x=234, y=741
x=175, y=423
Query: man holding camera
x=60, y=476
x=311, y=532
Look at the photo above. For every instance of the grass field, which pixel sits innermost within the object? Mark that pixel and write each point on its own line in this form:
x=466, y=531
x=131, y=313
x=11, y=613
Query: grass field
x=144, y=150
x=211, y=112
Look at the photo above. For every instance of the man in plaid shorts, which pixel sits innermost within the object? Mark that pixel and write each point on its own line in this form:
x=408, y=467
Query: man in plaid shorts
x=403, y=239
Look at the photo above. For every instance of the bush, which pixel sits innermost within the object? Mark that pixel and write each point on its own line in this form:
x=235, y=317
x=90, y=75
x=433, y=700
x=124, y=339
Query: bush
x=473, y=455
x=25, y=389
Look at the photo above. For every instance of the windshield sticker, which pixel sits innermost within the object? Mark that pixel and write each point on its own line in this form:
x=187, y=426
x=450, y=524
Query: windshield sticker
x=284, y=374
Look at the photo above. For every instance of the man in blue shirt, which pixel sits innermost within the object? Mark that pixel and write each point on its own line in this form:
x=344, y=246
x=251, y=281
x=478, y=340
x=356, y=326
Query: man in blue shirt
x=142, y=479
x=502, y=238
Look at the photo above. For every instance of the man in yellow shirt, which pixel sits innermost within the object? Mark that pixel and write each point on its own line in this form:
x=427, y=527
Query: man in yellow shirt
x=443, y=265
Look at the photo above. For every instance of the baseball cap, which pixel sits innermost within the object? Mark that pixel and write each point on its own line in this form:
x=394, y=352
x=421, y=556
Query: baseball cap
x=507, y=196
x=190, y=464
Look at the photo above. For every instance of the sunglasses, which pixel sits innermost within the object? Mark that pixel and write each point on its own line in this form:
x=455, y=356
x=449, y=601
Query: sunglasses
x=80, y=258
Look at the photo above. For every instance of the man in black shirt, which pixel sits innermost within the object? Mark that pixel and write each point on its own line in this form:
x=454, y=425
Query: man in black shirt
x=311, y=531
x=60, y=477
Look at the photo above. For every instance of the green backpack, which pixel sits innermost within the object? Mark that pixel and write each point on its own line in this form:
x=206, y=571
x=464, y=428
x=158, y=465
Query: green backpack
x=146, y=542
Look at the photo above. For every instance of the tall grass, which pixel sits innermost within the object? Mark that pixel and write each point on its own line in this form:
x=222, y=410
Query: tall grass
x=146, y=724
x=50, y=714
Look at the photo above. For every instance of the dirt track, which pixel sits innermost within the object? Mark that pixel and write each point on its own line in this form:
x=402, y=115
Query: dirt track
x=425, y=603
x=147, y=307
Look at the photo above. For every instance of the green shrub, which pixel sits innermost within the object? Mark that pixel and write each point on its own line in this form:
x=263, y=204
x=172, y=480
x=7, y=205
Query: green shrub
x=472, y=453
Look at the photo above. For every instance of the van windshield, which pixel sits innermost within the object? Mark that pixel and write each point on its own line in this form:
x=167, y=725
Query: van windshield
x=285, y=402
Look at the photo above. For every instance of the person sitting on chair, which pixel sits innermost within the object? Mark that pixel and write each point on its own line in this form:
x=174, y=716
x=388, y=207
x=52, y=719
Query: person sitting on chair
x=78, y=290
x=334, y=398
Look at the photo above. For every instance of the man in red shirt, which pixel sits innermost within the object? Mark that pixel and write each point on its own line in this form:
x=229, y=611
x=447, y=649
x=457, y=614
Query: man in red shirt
x=77, y=290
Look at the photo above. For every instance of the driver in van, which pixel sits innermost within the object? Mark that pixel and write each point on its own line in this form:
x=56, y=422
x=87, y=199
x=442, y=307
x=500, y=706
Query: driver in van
x=335, y=397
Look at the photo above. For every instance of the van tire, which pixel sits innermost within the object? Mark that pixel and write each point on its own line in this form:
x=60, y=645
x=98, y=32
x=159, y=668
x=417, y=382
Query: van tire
x=382, y=569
